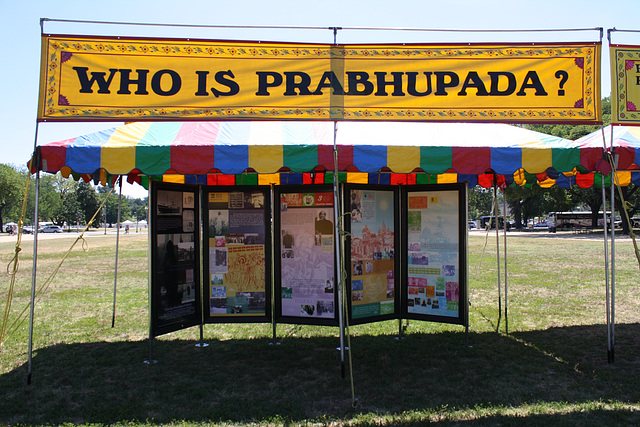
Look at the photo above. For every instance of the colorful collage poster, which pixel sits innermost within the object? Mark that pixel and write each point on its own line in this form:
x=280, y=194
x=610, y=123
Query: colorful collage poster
x=175, y=284
x=237, y=251
x=306, y=243
x=372, y=252
x=433, y=256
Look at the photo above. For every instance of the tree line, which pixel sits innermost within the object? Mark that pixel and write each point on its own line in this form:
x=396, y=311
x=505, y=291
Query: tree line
x=63, y=201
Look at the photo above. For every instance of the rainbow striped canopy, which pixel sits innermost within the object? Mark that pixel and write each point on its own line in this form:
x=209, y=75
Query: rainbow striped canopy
x=301, y=152
x=626, y=144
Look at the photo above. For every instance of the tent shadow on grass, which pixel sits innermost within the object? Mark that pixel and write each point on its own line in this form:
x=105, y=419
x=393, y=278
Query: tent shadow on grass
x=561, y=372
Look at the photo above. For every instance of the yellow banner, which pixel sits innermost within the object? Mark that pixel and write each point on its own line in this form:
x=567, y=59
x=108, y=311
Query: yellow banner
x=625, y=84
x=152, y=79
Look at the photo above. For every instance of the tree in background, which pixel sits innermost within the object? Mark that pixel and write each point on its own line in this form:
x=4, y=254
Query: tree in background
x=112, y=205
x=631, y=197
x=591, y=197
x=51, y=206
x=12, y=185
x=480, y=201
x=88, y=203
x=62, y=201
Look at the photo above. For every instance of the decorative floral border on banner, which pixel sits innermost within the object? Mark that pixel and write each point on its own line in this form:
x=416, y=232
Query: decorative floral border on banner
x=625, y=104
x=54, y=106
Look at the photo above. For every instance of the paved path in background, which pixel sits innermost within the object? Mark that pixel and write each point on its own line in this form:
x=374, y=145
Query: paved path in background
x=5, y=237
x=542, y=234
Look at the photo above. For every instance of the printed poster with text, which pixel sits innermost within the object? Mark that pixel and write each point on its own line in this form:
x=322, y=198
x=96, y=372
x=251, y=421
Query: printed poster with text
x=307, y=255
x=237, y=239
x=433, y=256
x=372, y=253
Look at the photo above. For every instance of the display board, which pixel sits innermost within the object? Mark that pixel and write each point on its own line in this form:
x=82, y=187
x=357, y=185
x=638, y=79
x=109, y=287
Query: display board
x=434, y=253
x=175, y=254
x=304, y=255
x=237, y=254
x=370, y=255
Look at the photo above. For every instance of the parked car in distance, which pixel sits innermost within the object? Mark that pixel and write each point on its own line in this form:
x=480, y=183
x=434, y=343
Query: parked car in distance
x=51, y=229
x=472, y=224
x=541, y=224
x=27, y=230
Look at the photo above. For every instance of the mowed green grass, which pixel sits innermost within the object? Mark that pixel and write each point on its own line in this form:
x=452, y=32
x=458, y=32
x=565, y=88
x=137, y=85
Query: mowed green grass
x=551, y=368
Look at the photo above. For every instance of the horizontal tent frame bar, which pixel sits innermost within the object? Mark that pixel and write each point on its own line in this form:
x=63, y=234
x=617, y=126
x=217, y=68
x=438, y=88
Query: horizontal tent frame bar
x=277, y=27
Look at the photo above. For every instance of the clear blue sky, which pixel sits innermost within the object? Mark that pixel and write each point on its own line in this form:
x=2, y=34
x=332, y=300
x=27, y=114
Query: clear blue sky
x=20, y=35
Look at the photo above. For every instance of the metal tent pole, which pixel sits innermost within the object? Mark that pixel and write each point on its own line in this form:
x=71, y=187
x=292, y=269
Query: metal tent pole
x=506, y=283
x=611, y=356
x=272, y=271
x=151, y=229
x=337, y=235
x=33, y=272
x=495, y=218
x=466, y=267
x=201, y=343
x=606, y=268
x=115, y=278
x=337, y=245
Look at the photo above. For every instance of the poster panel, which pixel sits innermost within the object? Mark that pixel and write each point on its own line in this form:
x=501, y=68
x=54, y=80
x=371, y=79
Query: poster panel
x=625, y=84
x=175, y=267
x=237, y=255
x=434, y=253
x=87, y=78
x=305, y=260
x=370, y=254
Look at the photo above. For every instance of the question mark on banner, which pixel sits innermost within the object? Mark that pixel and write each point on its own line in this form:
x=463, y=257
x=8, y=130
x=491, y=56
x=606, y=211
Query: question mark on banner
x=563, y=76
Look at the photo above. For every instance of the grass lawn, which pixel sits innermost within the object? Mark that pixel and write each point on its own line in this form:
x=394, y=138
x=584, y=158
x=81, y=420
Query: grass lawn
x=551, y=368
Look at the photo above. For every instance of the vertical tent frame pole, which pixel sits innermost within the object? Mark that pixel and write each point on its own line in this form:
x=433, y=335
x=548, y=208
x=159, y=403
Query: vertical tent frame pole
x=338, y=233
x=338, y=250
x=614, y=159
x=115, y=277
x=495, y=219
x=33, y=273
x=150, y=361
x=466, y=293
x=610, y=304
x=506, y=283
x=272, y=270
x=201, y=343
x=606, y=267
x=34, y=161
x=611, y=356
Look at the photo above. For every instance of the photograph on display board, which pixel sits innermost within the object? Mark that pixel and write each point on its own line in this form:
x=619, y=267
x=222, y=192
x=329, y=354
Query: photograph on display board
x=435, y=261
x=237, y=254
x=169, y=202
x=305, y=262
x=175, y=265
x=176, y=254
x=372, y=247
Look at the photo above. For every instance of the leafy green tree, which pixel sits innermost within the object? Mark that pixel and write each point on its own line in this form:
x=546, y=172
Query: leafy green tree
x=516, y=197
x=70, y=206
x=51, y=202
x=480, y=201
x=631, y=197
x=112, y=205
x=88, y=203
x=591, y=197
x=12, y=185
